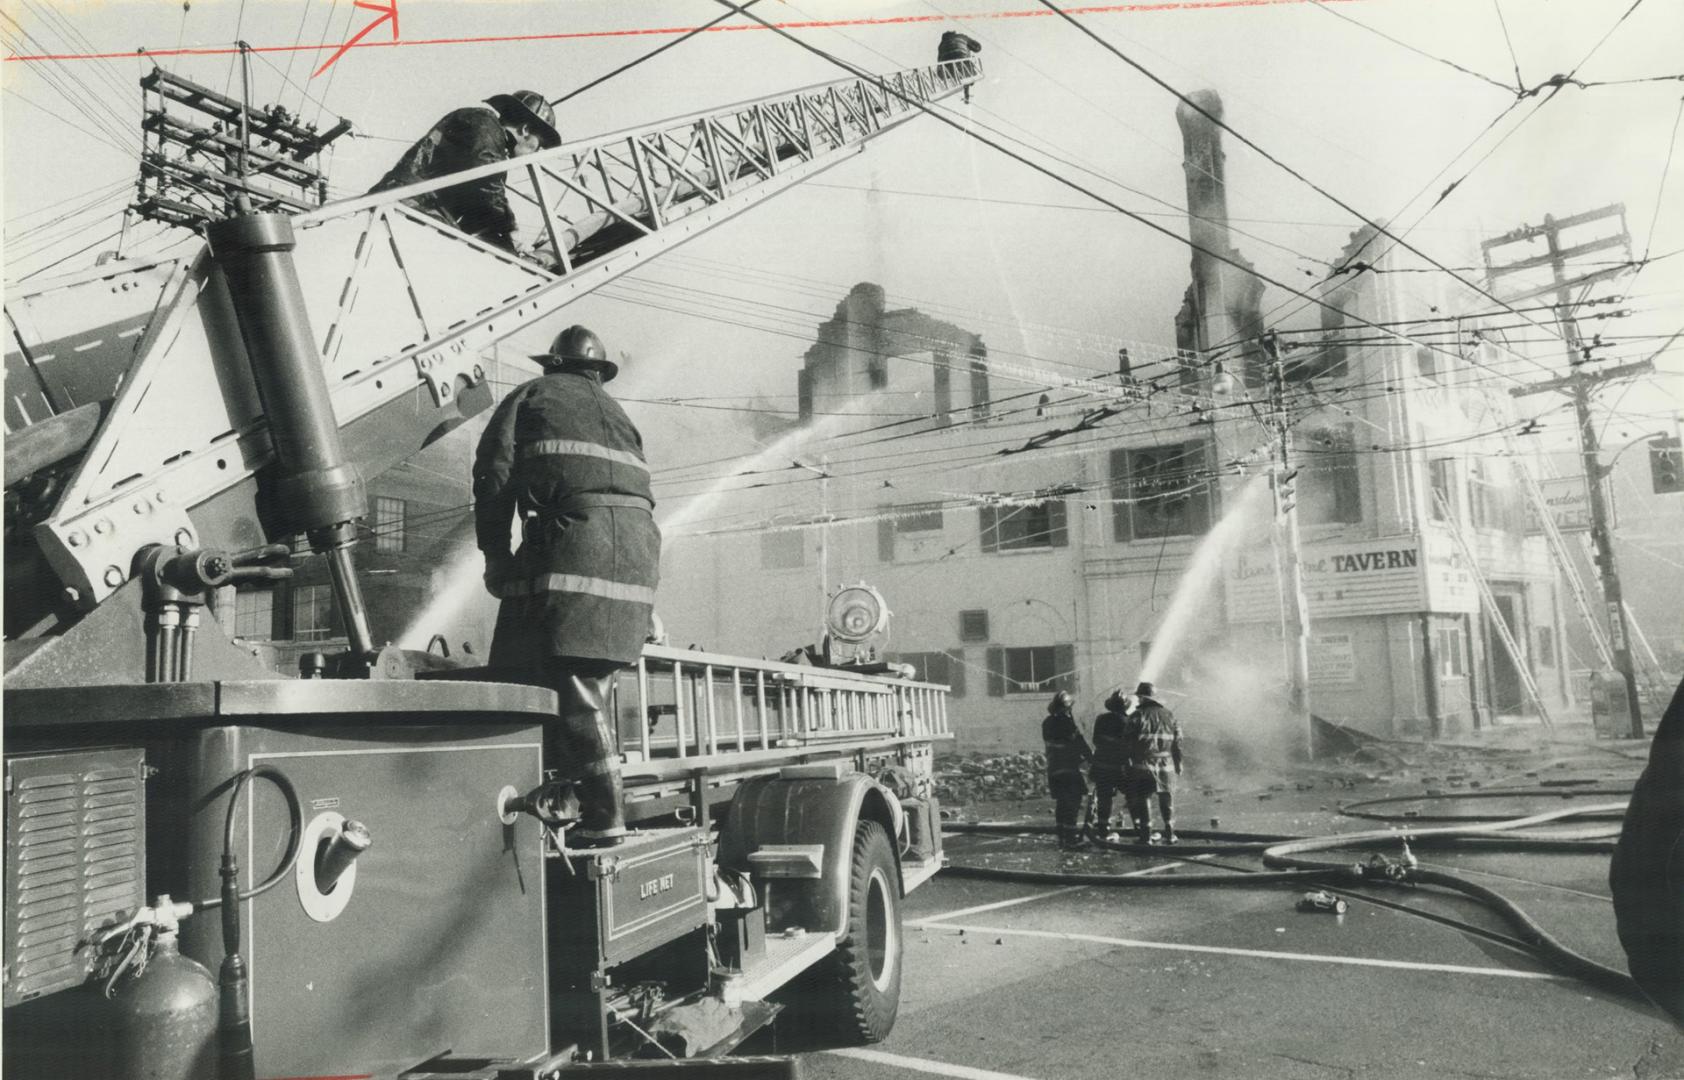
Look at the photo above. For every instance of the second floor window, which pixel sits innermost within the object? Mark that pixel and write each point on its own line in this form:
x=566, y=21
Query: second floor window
x=1160, y=491
x=1035, y=669
x=1329, y=488
x=1023, y=528
x=915, y=521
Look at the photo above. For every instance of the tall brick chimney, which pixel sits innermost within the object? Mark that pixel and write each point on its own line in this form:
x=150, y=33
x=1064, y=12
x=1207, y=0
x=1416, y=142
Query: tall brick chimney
x=1222, y=303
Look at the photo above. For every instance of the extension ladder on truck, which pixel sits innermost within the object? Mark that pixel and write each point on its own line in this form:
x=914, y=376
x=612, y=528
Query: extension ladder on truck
x=693, y=725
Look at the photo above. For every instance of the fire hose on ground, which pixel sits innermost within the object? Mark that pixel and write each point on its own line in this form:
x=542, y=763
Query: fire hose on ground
x=1283, y=856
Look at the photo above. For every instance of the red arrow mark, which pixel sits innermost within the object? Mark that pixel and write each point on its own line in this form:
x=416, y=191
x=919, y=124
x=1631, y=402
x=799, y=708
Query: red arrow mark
x=387, y=10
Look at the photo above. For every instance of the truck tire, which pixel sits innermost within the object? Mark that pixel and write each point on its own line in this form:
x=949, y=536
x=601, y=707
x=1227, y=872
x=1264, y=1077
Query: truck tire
x=857, y=988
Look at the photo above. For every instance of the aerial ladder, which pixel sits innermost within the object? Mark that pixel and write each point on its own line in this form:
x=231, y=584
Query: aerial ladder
x=393, y=308
x=390, y=855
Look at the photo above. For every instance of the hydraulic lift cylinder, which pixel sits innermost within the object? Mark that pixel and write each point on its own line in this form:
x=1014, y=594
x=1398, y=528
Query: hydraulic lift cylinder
x=312, y=488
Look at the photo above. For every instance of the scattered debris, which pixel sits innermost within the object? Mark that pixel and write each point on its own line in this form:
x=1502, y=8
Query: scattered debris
x=1322, y=900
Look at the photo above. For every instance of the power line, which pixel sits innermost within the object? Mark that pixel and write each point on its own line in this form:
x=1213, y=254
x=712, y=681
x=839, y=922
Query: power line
x=1218, y=121
x=1660, y=190
x=1518, y=81
x=650, y=55
x=1322, y=6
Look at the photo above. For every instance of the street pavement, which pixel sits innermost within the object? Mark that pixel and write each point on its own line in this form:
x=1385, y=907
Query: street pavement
x=1044, y=982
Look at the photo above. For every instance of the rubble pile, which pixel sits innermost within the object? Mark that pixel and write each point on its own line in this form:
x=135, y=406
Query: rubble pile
x=960, y=780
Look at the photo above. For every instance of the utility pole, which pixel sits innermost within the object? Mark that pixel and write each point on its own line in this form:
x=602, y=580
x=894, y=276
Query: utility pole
x=1579, y=383
x=1288, y=555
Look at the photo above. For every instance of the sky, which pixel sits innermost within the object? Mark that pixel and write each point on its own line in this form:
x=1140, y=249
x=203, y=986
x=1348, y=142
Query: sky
x=1379, y=102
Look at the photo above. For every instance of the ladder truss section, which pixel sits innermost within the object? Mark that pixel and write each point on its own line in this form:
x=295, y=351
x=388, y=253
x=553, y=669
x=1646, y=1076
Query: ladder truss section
x=683, y=713
x=402, y=304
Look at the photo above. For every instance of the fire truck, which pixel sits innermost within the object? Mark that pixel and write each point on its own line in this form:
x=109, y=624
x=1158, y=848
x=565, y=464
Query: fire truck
x=362, y=869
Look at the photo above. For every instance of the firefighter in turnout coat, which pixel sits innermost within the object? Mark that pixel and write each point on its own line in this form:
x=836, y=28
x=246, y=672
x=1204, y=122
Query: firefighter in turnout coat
x=561, y=456
x=1067, y=752
x=1110, y=758
x=515, y=124
x=1152, y=741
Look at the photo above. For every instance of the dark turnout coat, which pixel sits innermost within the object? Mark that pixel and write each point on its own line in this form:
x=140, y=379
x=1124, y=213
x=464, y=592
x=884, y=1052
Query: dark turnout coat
x=1110, y=750
x=563, y=455
x=1067, y=751
x=464, y=139
x=1152, y=743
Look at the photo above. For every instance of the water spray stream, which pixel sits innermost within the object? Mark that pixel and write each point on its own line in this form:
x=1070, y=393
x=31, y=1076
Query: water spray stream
x=1198, y=577
x=460, y=581
x=780, y=451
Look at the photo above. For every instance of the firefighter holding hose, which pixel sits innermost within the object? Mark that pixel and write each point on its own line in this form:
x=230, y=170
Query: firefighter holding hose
x=561, y=455
x=1067, y=752
x=1110, y=759
x=1152, y=742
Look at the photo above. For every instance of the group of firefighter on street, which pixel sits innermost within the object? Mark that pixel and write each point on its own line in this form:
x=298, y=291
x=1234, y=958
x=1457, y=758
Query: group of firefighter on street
x=1136, y=751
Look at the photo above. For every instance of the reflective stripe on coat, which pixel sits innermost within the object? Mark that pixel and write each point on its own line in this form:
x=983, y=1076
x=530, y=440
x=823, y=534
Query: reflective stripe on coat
x=583, y=582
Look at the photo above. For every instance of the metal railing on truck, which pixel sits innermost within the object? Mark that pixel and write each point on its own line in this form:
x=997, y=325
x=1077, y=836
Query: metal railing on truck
x=682, y=713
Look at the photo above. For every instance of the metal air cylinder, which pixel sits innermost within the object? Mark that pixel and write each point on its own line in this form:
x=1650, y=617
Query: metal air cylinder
x=164, y=1025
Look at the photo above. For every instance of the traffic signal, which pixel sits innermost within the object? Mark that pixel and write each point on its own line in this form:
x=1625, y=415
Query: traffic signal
x=1666, y=465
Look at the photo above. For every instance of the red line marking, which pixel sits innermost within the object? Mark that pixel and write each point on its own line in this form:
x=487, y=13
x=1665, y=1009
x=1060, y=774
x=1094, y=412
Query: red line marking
x=389, y=11
x=1036, y=13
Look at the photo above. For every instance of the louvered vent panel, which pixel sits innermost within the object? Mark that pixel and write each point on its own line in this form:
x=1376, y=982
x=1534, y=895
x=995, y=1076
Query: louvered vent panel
x=75, y=861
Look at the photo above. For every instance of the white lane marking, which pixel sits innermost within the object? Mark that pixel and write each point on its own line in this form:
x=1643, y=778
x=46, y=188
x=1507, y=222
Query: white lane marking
x=944, y=916
x=997, y=904
x=924, y=1065
x=1268, y=954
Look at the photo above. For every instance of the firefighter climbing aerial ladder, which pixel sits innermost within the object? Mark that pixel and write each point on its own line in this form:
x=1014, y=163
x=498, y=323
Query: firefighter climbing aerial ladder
x=171, y=424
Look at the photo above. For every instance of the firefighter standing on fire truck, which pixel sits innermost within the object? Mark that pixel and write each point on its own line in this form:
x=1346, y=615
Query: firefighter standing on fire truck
x=578, y=595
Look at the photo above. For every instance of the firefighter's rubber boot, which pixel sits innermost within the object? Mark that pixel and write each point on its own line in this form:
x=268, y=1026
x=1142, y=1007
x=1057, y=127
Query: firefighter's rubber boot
x=602, y=815
x=588, y=741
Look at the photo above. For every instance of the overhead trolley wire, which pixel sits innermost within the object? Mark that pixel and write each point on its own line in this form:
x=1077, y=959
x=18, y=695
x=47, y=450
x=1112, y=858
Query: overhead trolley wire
x=1323, y=6
x=106, y=69
x=968, y=456
x=650, y=55
x=82, y=98
x=1219, y=122
x=1092, y=171
x=1074, y=185
x=1514, y=56
x=1554, y=84
x=1660, y=192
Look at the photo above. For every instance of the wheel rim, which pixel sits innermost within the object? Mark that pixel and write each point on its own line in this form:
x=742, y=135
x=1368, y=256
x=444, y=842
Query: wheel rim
x=880, y=931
